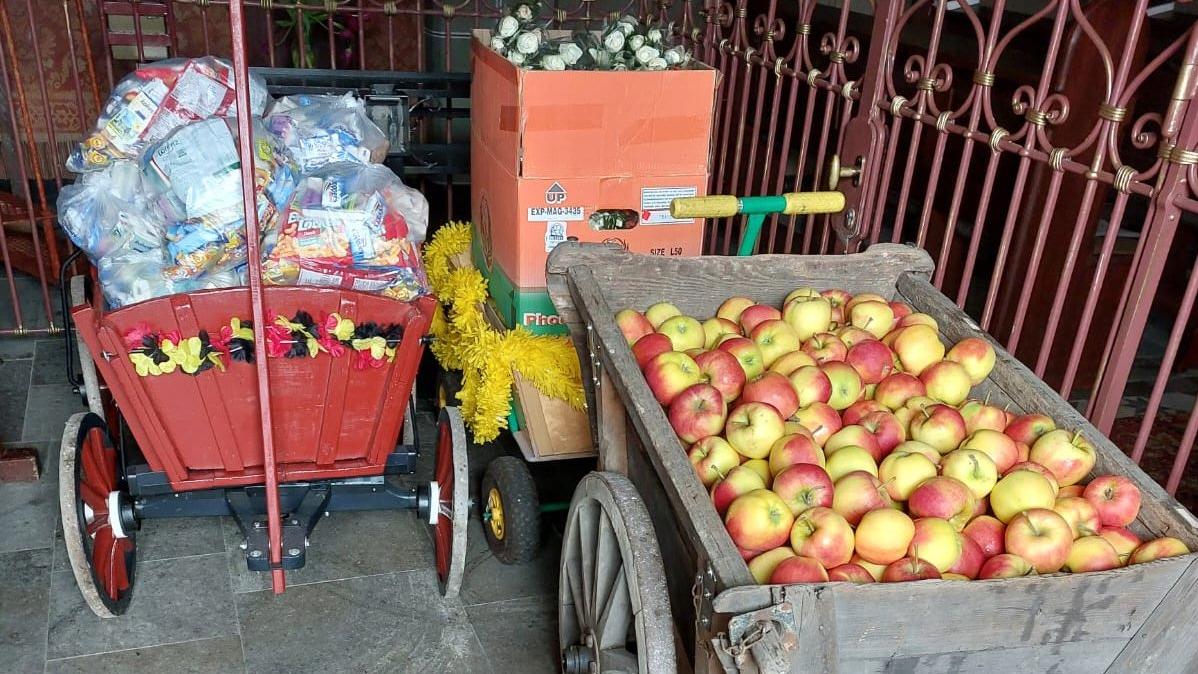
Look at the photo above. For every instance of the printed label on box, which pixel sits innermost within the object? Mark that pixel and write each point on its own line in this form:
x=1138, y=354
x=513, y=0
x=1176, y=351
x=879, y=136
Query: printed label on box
x=555, y=233
x=557, y=213
x=655, y=204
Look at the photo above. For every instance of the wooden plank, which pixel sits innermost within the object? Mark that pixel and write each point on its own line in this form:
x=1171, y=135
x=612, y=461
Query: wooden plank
x=1077, y=656
x=612, y=441
x=1165, y=643
x=1160, y=513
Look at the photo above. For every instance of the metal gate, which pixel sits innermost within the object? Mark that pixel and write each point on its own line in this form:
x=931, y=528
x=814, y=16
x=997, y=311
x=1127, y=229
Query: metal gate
x=1043, y=151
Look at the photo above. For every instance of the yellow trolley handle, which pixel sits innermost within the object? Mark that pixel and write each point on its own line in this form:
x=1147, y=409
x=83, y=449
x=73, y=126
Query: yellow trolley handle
x=723, y=206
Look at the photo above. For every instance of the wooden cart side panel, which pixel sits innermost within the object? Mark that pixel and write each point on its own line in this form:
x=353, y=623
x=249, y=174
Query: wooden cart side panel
x=1073, y=656
x=1165, y=643
x=1159, y=512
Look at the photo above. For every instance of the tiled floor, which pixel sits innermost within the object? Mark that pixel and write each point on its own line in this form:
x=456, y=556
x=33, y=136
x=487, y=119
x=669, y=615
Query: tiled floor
x=366, y=601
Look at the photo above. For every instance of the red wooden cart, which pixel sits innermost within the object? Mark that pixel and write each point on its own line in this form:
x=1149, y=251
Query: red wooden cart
x=275, y=442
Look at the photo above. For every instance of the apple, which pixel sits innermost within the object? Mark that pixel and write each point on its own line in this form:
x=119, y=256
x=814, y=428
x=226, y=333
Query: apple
x=1072, y=490
x=661, y=312
x=793, y=427
x=980, y=415
x=808, y=315
x=871, y=359
x=752, y=316
x=846, y=384
x=758, y=521
x=633, y=324
x=753, y=428
x=1040, y=536
x=852, y=336
x=969, y=563
x=874, y=570
x=853, y=414
x=804, y=486
x=774, y=389
x=946, y=381
x=849, y=459
x=897, y=388
x=935, y=541
x=788, y=363
x=732, y=308
x=722, y=371
x=858, y=493
x=649, y=347
x=1091, y=553
x=820, y=419
x=1033, y=466
x=823, y=535
x=713, y=458
x=998, y=446
x=886, y=428
x=762, y=566
x=1122, y=539
x=884, y=535
x=825, y=347
x=748, y=555
x=917, y=447
x=794, y=448
x=1024, y=451
x=669, y=374
x=1021, y=490
x=975, y=355
x=901, y=472
x=855, y=436
x=988, y=533
x=684, y=332
x=1116, y=498
x=874, y=317
x=940, y=426
x=738, y=482
x=1081, y=516
x=918, y=346
x=901, y=309
x=953, y=576
x=811, y=385
x=945, y=497
x=775, y=339
x=909, y=568
x=838, y=297
x=1069, y=456
x=803, y=292
x=918, y=318
x=746, y=352
x=762, y=468
x=850, y=573
x=798, y=570
x=974, y=468
x=1029, y=427
x=1006, y=565
x=1158, y=548
x=714, y=329
x=697, y=412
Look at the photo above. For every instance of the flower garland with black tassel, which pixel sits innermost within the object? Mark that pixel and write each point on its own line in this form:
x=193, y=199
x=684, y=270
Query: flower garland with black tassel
x=487, y=357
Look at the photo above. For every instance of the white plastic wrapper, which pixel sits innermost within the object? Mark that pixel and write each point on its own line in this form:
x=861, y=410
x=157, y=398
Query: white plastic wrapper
x=157, y=98
x=318, y=130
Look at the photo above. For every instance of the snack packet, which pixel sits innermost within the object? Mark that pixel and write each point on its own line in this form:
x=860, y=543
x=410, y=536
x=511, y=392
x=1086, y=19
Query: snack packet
x=322, y=129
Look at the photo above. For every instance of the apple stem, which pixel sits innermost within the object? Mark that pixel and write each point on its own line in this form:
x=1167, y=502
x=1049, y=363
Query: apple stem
x=987, y=400
x=926, y=414
x=1076, y=434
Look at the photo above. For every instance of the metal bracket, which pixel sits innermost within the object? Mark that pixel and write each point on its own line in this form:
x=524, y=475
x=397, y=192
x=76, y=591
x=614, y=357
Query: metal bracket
x=761, y=641
x=703, y=593
x=596, y=365
x=297, y=525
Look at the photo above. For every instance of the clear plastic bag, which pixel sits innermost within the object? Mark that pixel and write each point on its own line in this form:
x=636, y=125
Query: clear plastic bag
x=318, y=130
x=157, y=98
x=351, y=226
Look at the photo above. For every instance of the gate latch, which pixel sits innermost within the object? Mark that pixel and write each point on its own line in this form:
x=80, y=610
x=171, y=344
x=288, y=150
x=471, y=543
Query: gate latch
x=760, y=642
x=837, y=171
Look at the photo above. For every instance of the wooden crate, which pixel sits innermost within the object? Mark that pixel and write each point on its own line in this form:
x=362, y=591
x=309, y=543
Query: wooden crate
x=1130, y=619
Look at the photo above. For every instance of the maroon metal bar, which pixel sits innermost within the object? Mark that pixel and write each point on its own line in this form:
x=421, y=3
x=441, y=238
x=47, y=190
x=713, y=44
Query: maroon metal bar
x=1184, y=448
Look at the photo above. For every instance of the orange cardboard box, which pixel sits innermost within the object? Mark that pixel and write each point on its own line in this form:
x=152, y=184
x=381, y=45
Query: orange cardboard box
x=584, y=155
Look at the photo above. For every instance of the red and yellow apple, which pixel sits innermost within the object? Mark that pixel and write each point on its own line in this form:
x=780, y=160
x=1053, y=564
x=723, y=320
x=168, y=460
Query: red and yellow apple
x=775, y=339
x=884, y=535
x=848, y=459
x=1122, y=539
x=722, y=371
x=918, y=346
x=969, y=563
x=746, y=352
x=1158, y=548
x=762, y=566
x=940, y=426
x=633, y=325
x=1040, y=536
x=858, y=493
x=732, y=308
x=649, y=347
x=773, y=389
x=876, y=318
x=820, y=419
x=758, y=521
x=794, y=448
x=975, y=355
x=901, y=472
x=853, y=435
x=974, y=468
x=945, y=497
x=786, y=364
x=1005, y=565
x=684, y=332
x=853, y=414
x=908, y=569
x=851, y=336
x=713, y=458
x=846, y=384
x=1028, y=428
x=998, y=446
x=988, y=533
x=1081, y=516
x=1069, y=456
x=798, y=570
x=697, y=412
x=753, y=316
x=980, y=415
x=886, y=428
x=917, y=447
x=823, y=535
x=738, y=482
x=897, y=388
x=714, y=330
x=850, y=573
x=825, y=347
x=935, y=541
x=946, y=381
x=807, y=315
x=1019, y=491
x=811, y=385
x=802, y=487
x=1091, y=553
x=753, y=428
x=660, y=312
x=669, y=374
x=1116, y=498
x=872, y=360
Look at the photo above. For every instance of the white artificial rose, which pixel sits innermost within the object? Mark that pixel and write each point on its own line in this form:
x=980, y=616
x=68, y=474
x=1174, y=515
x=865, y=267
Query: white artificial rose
x=614, y=41
x=625, y=29
x=528, y=43
x=593, y=52
x=508, y=26
x=569, y=52
x=553, y=62
x=654, y=36
x=516, y=58
x=674, y=55
x=619, y=66
x=646, y=54
x=636, y=42
x=523, y=12
x=657, y=63
x=497, y=43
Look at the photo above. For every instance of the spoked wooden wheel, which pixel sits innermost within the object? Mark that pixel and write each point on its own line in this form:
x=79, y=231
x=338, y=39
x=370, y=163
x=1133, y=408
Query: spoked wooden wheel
x=97, y=523
x=449, y=494
x=613, y=607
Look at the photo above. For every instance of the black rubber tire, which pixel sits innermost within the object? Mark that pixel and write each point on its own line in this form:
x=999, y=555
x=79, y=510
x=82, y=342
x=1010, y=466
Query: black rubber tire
x=521, y=540
x=449, y=382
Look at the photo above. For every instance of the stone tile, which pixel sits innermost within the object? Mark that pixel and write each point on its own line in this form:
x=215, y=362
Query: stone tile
x=390, y=623
x=14, y=396
x=221, y=655
x=49, y=408
x=344, y=545
x=167, y=538
x=28, y=512
x=33, y=308
x=489, y=580
x=519, y=636
x=50, y=362
x=25, y=586
x=173, y=601
x=14, y=348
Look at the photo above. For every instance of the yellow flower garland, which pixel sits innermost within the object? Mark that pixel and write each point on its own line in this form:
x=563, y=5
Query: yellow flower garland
x=465, y=341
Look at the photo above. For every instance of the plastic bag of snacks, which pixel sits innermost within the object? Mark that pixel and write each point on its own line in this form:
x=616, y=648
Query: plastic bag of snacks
x=197, y=171
x=157, y=98
x=351, y=226
x=319, y=130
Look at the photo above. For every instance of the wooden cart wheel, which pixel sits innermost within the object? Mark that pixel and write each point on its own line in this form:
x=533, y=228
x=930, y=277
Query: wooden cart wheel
x=91, y=381
x=97, y=524
x=613, y=606
x=511, y=511
x=450, y=492
x=409, y=422
x=449, y=382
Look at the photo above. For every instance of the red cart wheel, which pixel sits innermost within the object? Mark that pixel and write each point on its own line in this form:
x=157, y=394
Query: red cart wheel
x=449, y=492
x=97, y=522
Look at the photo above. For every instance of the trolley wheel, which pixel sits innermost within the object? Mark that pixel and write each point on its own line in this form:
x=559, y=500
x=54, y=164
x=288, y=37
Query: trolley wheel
x=511, y=511
x=613, y=605
x=91, y=381
x=449, y=382
x=450, y=498
x=408, y=437
x=97, y=516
